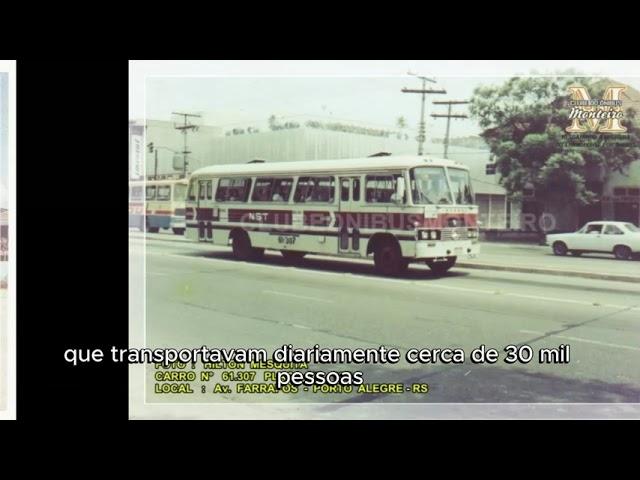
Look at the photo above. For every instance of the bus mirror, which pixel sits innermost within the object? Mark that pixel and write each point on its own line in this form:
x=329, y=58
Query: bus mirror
x=400, y=188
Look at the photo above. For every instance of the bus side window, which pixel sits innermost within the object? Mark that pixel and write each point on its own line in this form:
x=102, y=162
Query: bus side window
x=356, y=189
x=380, y=188
x=209, y=189
x=179, y=191
x=193, y=185
x=151, y=192
x=233, y=189
x=136, y=193
x=344, y=190
x=315, y=190
x=164, y=193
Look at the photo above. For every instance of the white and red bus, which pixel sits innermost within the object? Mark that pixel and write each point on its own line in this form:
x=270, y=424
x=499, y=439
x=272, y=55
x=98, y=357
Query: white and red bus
x=156, y=204
x=400, y=209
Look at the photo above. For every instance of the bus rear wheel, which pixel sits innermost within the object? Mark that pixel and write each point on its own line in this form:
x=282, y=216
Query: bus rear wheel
x=153, y=229
x=242, y=249
x=178, y=231
x=292, y=256
x=440, y=268
x=388, y=259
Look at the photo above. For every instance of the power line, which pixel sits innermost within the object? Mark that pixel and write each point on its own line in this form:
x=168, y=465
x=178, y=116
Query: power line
x=449, y=116
x=423, y=91
x=185, y=128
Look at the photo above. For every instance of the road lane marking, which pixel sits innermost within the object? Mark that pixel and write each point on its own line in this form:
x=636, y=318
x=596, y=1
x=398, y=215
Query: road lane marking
x=303, y=297
x=416, y=284
x=584, y=340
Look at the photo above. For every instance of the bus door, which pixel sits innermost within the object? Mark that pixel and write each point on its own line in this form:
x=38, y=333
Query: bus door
x=204, y=212
x=349, y=231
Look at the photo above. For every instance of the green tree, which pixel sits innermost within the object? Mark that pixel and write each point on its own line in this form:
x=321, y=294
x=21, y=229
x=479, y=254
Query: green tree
x=401, y=123
x=524, y=123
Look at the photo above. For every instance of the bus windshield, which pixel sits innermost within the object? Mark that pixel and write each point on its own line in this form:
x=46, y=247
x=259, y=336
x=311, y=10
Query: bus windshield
x=461, y=186
x=179, y=192
x=429, y=186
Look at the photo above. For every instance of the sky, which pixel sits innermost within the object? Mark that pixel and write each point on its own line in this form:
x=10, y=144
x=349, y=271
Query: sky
x=374, y=101
x=241, y=93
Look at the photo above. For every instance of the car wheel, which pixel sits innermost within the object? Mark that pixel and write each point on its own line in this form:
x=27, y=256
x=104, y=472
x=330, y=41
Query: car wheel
x=622, y=252
x=560, y=248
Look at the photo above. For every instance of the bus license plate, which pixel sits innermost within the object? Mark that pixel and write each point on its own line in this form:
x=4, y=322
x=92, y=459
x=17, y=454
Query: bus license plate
x=287, y=239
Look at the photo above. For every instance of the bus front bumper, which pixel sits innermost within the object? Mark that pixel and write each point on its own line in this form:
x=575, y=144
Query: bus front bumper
x=426, y=249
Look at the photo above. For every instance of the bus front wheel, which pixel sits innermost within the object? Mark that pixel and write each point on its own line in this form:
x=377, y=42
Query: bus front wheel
x=440, y=268
x=388, y=259
x=178, y=231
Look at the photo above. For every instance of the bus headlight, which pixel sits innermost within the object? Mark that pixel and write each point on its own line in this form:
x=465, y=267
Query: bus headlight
x=429, y=235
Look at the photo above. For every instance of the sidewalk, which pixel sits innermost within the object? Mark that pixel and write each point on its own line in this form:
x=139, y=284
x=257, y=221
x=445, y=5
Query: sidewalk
x=539, y=259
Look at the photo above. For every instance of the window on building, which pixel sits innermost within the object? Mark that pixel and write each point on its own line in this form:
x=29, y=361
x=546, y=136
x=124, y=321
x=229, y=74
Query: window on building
x=151, y=192
x=633, y=192
x=233, y=189
x=619, y=191
x=315, y=190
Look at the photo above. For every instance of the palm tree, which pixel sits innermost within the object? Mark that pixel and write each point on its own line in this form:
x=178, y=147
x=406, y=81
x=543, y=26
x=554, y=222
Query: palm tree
x=272, y=122
x=401, y=123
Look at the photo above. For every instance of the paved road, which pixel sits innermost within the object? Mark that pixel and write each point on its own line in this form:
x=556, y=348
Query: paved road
x=199, y=295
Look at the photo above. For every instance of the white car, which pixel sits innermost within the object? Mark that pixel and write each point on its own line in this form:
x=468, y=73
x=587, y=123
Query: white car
x=621, y=239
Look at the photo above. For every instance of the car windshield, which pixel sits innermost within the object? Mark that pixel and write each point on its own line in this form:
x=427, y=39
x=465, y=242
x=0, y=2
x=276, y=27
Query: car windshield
x=631, y=227
x=461, y=186
x=429, y=186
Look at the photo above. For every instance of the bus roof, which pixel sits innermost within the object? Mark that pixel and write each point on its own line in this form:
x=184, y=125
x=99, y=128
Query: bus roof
x=318, y=166
x=183, y=181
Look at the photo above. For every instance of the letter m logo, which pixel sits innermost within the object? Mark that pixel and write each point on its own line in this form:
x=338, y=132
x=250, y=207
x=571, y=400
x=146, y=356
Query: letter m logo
x=612, y=125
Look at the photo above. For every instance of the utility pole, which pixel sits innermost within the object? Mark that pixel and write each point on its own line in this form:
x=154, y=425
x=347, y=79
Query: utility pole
x=184, y=128
x=423, y=91
x=449, y=116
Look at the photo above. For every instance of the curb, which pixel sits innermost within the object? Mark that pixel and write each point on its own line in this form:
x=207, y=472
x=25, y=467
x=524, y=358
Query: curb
x=551, y=271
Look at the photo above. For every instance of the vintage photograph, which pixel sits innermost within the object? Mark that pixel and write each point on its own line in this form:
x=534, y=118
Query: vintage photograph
x=7, y=201
x=402, y=239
